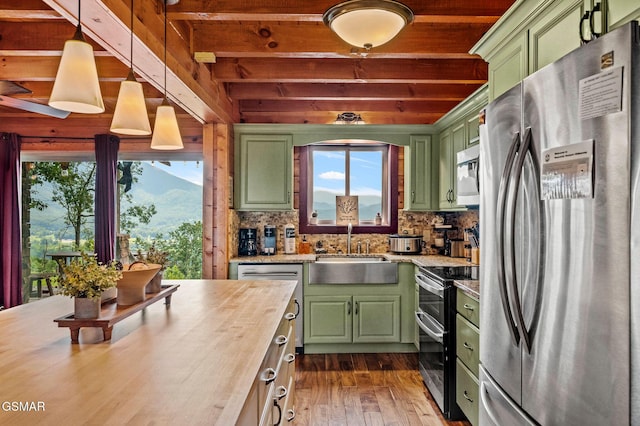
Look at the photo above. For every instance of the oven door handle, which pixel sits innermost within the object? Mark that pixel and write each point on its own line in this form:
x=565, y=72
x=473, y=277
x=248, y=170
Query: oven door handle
x=428, y=285
x=433, y=330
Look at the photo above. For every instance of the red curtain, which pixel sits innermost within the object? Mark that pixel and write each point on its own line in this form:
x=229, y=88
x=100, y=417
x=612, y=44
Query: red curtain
x=106, y=149
x=10, y=225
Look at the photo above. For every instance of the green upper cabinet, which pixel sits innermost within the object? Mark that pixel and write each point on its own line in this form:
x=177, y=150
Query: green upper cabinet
x=534, y=33
x=508, y=66
x=622, y=11
x=549, y=39
x=460, y=130
x=451, y=141
x=264, y=172
x=420, y=174
x=473, y=129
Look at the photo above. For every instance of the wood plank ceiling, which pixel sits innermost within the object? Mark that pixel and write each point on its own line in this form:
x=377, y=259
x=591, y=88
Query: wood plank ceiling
x=275, y=60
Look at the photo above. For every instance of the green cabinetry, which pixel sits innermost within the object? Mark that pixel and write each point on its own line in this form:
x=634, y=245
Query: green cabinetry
x=534, y=33
x=357, y=319
x=460, y=130
x=622, y=11
x=420, y=174
x=467, y=354
x=264, y=172
x=343, y=318
x=452, y=140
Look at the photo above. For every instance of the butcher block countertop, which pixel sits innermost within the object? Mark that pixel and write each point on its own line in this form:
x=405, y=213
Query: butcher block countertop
x=191, y=363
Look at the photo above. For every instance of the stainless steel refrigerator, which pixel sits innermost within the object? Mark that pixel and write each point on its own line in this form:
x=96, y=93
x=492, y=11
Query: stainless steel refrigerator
x=560, y=218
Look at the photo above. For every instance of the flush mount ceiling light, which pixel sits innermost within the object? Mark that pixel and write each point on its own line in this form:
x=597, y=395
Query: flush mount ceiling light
x=349, y=118
x=166, y=134
x=76, y=87
x=368, y=23
x=130, y=116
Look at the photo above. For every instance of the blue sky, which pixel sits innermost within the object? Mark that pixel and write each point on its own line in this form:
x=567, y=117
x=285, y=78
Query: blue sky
x=188, y=170
x=366, y=178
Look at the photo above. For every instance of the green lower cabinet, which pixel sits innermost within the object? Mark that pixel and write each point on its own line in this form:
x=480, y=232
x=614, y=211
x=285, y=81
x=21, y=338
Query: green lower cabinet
x=376, y=319
x=352, y=319
x=467, y=391
x=468, y=344
x=327, y=319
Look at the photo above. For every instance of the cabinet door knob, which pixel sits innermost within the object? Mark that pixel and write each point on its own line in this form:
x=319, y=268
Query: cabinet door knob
x=466, y=345
x=467, y=397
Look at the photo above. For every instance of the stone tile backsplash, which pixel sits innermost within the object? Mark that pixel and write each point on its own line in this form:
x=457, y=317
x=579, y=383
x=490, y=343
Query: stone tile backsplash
x=413, y=223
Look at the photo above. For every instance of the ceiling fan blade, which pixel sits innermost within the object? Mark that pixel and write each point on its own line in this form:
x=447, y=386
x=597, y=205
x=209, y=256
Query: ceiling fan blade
x=33, y=107
x=10, y=88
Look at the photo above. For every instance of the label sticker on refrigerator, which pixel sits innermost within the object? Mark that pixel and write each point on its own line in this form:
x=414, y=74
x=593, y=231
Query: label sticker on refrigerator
x=600, y=94
x=567, y=172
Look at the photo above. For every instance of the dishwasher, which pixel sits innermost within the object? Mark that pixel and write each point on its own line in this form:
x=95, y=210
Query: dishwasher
x=279, y=271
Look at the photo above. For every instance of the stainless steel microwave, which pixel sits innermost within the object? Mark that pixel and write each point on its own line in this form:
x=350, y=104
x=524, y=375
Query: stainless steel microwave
x=467, y=176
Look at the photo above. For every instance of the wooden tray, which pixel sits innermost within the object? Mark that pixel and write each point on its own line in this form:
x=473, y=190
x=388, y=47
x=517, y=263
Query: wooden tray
x=111, y=313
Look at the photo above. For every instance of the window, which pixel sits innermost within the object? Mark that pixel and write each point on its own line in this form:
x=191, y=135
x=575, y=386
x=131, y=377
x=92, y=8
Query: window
x=366, y=170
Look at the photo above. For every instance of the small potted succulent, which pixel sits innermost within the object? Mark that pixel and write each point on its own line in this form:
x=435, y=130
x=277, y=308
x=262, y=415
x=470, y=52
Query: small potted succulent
x=85, y=279
x=154, y=256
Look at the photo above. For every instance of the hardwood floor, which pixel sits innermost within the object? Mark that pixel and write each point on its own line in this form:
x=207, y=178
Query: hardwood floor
x=363, y=389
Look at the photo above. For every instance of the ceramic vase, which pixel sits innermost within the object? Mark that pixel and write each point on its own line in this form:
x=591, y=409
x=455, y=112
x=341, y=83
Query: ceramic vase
x=155, y=285
x=108, y=294
x=86, y=308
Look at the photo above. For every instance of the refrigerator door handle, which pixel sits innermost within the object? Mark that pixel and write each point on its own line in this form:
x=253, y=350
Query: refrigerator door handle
x=513, y=279
x=500, y=225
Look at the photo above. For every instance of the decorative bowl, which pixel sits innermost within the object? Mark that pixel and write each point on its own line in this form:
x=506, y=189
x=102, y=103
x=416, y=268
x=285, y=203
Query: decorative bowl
x=135, y=277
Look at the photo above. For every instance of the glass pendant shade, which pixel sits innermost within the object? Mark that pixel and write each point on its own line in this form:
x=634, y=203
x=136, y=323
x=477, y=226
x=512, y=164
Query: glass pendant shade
x=130, y=116
x=76, y=87
x=166, y=134
x=368, y=23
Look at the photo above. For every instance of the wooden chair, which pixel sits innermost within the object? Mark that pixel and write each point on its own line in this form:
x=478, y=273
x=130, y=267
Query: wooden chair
x=38, y=278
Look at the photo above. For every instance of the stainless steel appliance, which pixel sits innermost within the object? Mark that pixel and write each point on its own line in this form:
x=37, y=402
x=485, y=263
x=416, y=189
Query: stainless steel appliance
x=279, y=271
x=248, y=242
x=559, y=212
x=401, y=243
x=435, y=318
x=467, y=176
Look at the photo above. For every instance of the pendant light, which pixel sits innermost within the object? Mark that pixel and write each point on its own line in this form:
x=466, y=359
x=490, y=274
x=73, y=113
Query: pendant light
x=130, y=115
x=76, y=87
x=368, y=23
x=166, y=134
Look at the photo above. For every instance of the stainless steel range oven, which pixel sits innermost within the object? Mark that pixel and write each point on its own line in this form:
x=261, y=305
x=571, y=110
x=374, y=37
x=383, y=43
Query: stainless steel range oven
x=435, y=318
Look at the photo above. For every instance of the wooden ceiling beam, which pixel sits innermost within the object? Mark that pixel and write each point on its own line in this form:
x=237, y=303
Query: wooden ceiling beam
x=259, y=39
x=356, y=105
x=339, y=91
x=270, y=70
x=328, y=117
x=318, y=7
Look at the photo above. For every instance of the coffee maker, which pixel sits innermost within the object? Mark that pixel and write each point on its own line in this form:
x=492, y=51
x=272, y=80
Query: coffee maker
x=269, y=239
x=247, y=243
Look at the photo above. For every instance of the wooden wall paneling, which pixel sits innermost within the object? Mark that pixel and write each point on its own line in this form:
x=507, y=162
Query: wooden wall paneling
x=215, y=221
x=208, y=166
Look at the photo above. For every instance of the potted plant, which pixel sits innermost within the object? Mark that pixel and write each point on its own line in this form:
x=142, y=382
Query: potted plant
x=154, y=256
x=85, y=280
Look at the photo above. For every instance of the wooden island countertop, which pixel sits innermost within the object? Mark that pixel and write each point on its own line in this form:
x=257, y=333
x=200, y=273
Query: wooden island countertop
x=192, y=363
